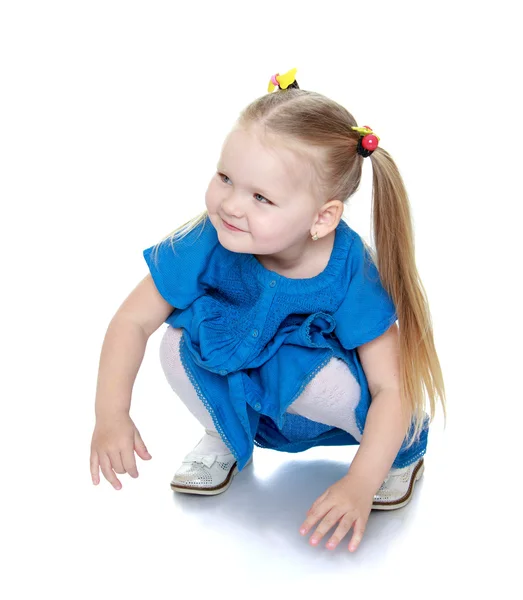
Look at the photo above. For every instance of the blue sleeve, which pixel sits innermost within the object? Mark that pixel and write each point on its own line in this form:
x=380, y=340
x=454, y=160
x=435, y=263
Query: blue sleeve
x=366, y=311
x=180, y=267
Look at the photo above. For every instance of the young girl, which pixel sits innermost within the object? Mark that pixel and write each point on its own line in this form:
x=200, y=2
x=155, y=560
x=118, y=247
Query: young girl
x=281, y=324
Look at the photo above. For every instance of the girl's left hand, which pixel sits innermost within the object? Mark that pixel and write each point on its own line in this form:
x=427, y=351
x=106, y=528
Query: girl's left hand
x=348, y=501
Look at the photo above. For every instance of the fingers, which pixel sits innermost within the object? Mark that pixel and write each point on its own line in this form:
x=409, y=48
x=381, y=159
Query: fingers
x=330, y=519
x=105, y=465
x=359, y=529
x=316, y=503
x=318, y=510
x=95, y=468
x=311, y=520
x=112, y=451
x=116, y=461
x=341, y=531
x=314, y=515
x=139, y=446
x=341, y=505
x=129, y=463
x=120, y=462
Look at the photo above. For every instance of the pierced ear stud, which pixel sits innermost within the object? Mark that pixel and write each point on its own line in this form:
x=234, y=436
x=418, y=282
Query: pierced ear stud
x=315, y=236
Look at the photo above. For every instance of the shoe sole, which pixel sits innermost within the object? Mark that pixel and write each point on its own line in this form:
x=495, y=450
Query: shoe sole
x=219, y=489
x=416, y=475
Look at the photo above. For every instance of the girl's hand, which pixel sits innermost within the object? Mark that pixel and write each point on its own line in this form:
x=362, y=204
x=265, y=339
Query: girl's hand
x=115, y=439
x=349, y=502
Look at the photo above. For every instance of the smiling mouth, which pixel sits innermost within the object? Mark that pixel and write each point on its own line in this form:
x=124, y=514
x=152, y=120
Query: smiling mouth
x=231, y=226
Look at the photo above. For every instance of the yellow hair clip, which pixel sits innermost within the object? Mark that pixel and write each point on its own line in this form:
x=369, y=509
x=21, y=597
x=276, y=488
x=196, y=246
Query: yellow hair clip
x=282, y=81
x=364, y=130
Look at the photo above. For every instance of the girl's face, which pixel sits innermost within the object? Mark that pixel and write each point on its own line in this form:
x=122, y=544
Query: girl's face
x=266, y=192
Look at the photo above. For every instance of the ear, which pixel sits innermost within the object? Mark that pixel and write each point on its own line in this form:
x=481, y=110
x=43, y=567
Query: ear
x=328, y=217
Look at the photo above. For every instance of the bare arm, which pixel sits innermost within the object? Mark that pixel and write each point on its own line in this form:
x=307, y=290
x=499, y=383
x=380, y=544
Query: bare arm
x=385, y=426
x=140, y=315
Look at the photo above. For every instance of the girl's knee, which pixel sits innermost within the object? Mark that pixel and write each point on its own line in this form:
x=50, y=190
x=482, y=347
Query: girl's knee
x=331, y=398
x=334, y=375
x=170, y=348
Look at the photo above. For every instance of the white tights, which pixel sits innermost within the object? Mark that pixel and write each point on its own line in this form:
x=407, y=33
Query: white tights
x=330, y=398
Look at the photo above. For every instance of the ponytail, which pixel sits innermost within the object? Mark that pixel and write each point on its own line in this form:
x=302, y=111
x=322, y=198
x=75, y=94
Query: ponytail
x=420, y=369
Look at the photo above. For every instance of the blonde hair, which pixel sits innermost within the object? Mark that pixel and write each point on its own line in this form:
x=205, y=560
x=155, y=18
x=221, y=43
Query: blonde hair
x=179, y=233
x=321, y=128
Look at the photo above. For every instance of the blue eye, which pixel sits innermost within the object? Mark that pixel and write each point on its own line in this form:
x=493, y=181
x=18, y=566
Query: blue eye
x=260, y=196
x=226, y=180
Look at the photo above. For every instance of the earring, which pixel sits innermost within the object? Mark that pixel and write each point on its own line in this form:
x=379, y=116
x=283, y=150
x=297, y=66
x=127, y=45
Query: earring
x=315, y=236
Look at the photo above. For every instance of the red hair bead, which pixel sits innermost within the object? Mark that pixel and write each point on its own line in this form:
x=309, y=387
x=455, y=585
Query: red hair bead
x=369, y=142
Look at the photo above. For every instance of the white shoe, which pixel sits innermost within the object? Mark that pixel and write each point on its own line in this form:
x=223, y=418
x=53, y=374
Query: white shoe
x=396, y=491
x=207, y=474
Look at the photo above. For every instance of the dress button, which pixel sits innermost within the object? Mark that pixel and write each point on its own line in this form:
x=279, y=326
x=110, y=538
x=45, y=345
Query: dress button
x=257, y=406
x=254, y=333
x=223, y=372
x=272, y=283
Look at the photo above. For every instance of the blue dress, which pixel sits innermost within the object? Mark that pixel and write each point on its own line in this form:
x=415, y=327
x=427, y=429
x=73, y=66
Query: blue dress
x=253, y=339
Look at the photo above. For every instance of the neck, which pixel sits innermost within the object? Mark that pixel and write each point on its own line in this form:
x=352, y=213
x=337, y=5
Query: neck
x=302, y=262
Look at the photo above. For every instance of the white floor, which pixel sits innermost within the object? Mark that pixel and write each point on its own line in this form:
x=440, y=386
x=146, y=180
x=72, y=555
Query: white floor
x=67, y=536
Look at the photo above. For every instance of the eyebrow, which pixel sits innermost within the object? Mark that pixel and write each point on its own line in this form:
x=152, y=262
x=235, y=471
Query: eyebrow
x=259, y=189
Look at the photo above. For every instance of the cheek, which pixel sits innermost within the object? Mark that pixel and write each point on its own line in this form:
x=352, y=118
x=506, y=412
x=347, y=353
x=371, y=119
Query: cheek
x=283, y=229
x=270, y=231
x=211, y=197
x=274, y=225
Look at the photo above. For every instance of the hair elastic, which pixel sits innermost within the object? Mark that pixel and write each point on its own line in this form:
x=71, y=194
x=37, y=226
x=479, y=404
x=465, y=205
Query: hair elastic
x=368, y=142
x=287, y=80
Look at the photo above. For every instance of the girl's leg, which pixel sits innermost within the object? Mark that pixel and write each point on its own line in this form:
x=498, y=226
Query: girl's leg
x=212, y=442
x=331, y=398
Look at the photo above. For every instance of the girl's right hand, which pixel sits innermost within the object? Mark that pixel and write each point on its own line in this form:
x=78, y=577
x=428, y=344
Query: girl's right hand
x=115, y=439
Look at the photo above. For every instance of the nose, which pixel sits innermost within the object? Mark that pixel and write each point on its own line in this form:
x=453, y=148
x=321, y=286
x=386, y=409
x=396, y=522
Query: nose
x=232, y=205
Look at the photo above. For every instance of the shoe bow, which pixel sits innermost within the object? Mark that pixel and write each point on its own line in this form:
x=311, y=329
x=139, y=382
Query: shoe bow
x=205, y=459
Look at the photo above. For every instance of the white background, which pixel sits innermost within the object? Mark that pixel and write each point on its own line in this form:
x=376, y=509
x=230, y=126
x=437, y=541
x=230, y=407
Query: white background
x=111, y=121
